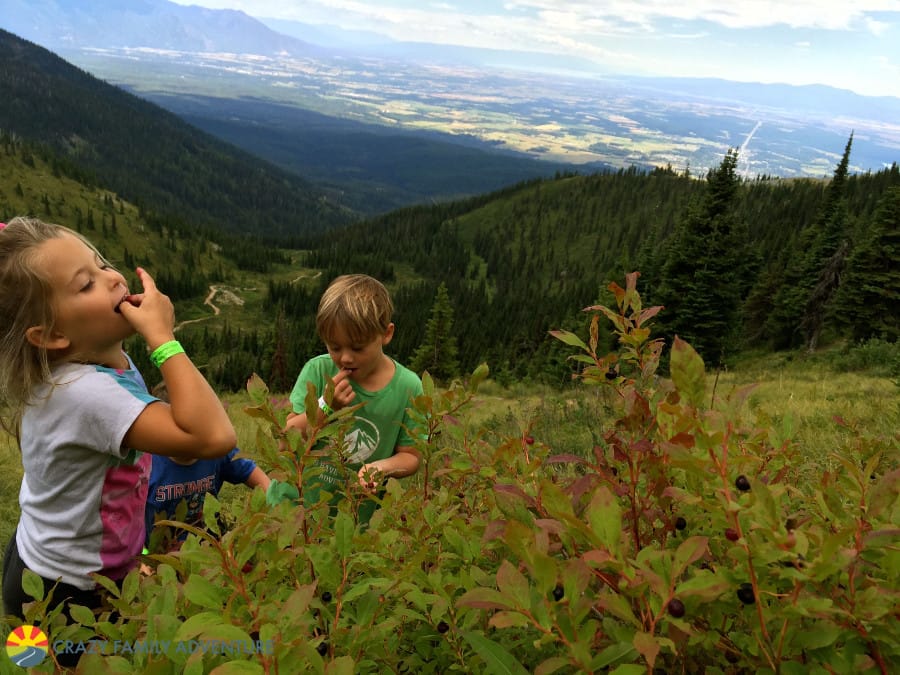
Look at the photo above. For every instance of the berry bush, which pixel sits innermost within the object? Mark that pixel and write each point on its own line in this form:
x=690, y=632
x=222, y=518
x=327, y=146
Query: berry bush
x=682, y=542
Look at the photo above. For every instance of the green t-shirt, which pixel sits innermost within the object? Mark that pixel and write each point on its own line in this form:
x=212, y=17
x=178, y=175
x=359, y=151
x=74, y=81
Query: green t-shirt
x=379, y=427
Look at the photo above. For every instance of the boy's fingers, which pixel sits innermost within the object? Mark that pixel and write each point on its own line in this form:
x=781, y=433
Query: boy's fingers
x=341, y=376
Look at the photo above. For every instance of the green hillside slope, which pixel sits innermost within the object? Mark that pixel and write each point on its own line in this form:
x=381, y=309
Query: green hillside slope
x=150, y=156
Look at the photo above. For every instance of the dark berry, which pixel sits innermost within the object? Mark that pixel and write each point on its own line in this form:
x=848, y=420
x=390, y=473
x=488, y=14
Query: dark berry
x=322, y=648
x=680, y=523
x=611, y=374
x=247, y=568
x=731, y=534
x=676, y=608
x=529, y=440
x=732, y=657
x=371, y=486
x=442, y=627
x=402, y=517
x=326, y=597
x=558, y=592
x=742, y=483
x=745, y=594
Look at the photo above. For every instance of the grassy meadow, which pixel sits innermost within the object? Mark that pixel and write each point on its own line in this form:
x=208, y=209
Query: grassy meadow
x=800, y=396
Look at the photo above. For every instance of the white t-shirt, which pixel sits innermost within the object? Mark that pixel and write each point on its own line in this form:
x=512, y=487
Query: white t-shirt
x=83, y=494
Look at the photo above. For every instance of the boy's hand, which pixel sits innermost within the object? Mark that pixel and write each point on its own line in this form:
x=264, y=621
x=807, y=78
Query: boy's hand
x=343, y=391
x=369, y=477
x=151, y=312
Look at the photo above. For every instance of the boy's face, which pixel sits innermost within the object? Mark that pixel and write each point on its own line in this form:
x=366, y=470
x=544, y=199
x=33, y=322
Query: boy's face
x=360, y=359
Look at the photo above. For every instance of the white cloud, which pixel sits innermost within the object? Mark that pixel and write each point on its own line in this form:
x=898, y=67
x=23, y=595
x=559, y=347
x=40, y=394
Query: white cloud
x=827, y=14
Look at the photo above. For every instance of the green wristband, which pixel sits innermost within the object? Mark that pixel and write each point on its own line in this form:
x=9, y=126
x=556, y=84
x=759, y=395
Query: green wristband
x=165, y=351
x=324, y=407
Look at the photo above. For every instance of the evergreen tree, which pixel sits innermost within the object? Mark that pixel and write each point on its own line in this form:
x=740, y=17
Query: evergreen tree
x=869, y=295
x=438, y=352
x=811, y=275
x=704, y=264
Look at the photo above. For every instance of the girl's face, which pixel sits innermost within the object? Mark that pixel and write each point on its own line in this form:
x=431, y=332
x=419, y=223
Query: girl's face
x=86, y=295
x=361, y=359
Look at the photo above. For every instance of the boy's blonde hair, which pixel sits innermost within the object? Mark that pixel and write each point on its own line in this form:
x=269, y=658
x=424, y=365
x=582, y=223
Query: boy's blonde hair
x=26, y=300
x=360, y=305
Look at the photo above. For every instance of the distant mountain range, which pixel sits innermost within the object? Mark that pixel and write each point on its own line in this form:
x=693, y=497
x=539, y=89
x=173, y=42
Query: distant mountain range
x=376, y=124
x=143, y=23
x=148, y=155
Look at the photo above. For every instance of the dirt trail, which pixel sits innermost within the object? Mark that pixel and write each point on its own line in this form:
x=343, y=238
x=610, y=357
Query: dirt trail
x=213, y=291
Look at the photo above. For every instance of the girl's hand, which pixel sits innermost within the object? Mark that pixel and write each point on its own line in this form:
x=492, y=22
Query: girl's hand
x=151, y=312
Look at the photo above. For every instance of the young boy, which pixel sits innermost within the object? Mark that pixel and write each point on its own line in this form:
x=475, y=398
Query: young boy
x=354, y=322
x=173, y=481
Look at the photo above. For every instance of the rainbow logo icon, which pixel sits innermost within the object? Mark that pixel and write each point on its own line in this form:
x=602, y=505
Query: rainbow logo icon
x=27, y=646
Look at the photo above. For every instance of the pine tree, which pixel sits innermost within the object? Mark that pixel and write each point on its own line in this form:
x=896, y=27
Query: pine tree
x=705, y=266
x=438, y=353
x=870, y=290
x=811, y=275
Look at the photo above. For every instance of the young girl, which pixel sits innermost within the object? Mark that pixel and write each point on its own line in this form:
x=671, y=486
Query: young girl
x=82, y=413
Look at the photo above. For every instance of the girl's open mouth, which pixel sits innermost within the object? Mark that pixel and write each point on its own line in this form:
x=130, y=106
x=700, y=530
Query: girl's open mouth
x=124, y=299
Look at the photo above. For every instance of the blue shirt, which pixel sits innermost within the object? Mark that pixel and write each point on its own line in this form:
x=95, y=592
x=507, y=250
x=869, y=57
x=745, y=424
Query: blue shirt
x=172, y=483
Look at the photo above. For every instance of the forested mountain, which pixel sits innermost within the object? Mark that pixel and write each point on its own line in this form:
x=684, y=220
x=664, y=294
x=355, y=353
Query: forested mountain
x=149, y=156
x=722, y=253
x=763, y=264
x=156, y=24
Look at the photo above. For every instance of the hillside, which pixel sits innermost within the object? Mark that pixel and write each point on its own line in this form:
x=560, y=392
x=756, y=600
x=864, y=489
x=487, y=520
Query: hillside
x=150, y=156
x=517, y=263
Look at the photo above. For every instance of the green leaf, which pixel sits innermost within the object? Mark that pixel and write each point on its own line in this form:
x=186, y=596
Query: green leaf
x=551, y=665
x=569, y=338
x=688, y=372
x=257, y=389
x=480, y=374
x=82, y=615
x=705, y=586
x=201, y=591
x=690, y=550
x=196, y=624
x=629, y=669
x=427, y=384
x=496, y=658
x=647, y=646
x=343, y=534
x=483, y=598
x=605, y=518
x=819, y=635
x=615, y=652
x=514, y=585
x=342, y=665
x=237, y=668
x=508, y=619
x=32, y=584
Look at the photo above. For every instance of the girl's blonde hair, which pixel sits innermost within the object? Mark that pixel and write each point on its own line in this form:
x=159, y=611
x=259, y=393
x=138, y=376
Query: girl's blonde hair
x=26, y=300
x=358, y=304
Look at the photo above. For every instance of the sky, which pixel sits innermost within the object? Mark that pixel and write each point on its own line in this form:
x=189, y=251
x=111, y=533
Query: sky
x=849, y=44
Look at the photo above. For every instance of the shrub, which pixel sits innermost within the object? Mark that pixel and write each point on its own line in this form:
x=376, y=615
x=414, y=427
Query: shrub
x=682, y=540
